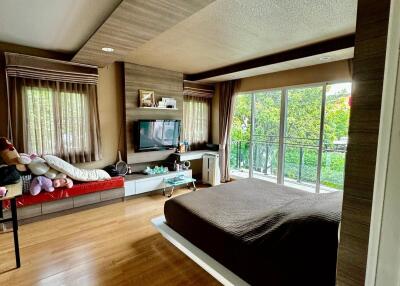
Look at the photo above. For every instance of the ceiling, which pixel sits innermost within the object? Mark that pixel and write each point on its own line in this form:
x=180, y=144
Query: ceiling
x=293, y=64
x=180, y=35
x=57, y=25
x=231, y=31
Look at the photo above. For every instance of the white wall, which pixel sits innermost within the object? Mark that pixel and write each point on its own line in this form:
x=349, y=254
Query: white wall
x=383, y=267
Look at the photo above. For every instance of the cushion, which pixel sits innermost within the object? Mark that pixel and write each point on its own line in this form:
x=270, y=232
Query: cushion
x=75, y=173
x=63, y=193
x=38, y=166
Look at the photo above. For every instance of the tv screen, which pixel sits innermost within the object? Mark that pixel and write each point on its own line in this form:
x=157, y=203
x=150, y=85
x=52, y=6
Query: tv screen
x=158, y=134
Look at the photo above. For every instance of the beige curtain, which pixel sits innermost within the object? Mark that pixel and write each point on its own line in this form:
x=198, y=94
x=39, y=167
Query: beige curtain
x=227, y=92
x=196, y=121
x=55, y=117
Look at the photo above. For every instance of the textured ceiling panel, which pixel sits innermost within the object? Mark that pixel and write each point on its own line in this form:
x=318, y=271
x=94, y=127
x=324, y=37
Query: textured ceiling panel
x=57, y=25
x=134, y=23
x=231, y=31
x=303, y=62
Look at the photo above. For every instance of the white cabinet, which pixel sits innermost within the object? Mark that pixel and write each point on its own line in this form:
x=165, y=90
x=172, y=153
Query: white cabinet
x=130, y=188
x=144, y=184
x=211, y=173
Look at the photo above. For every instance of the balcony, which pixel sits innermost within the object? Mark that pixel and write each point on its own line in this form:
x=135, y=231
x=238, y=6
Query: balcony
x=300, y=162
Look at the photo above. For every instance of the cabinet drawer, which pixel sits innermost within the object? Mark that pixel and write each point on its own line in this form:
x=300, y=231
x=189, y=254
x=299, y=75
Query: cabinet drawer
x=112, y=194
x=130, y=188
x=149, y=185
x=56, y=206
x=88, y=199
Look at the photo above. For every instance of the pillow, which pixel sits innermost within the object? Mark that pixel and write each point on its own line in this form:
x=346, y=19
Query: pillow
x=38, y=166
x=75, y=173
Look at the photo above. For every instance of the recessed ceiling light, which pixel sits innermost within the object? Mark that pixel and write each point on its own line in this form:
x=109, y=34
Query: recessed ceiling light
x=325, y=58
x=107, y=49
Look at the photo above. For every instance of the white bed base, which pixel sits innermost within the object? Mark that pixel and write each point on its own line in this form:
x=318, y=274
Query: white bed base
x=209, y=264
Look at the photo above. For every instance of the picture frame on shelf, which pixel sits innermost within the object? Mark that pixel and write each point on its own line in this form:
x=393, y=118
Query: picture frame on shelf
x=146, y=98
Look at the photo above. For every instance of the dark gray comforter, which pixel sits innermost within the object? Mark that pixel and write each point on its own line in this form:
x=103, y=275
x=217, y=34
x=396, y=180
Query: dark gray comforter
x=265, y=233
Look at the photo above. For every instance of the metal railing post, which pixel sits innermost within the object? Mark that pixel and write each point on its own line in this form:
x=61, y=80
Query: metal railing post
x=301, y=163
x=266, y=159
x=240, y=153
x=252, y=131
x=321, y=140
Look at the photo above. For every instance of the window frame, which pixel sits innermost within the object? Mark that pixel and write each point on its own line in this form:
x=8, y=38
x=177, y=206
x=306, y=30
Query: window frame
x=85, y=114
x=283, y=124
x=207, y=101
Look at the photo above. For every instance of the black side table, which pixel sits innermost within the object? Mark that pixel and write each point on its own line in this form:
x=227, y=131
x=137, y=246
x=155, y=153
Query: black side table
x=13, y=192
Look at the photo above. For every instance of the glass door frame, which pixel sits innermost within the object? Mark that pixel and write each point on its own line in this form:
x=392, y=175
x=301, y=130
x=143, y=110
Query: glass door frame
x=283, y=125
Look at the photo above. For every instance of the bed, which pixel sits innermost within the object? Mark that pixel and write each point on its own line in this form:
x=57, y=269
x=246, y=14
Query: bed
x=255, y=232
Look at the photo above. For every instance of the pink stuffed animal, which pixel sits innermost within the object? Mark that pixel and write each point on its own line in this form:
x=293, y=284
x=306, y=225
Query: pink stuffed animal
x=3, y=191
x=41, y=183
x=63, y=182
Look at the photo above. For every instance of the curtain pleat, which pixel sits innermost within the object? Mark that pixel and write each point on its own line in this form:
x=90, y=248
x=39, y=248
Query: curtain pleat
x=30, y=67
x=196, y=121
x=227, y=92
x=198, y=90
x=58, y=118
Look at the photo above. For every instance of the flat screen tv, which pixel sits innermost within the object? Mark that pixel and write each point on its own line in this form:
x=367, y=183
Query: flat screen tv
x=153, y=135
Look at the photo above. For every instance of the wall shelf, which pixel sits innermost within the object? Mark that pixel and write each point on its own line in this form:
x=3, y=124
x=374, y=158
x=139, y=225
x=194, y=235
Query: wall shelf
x=158, y=108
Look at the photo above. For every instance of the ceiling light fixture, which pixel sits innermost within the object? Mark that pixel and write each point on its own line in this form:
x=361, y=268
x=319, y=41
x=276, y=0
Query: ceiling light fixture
x=107, y=49
x=325, y=58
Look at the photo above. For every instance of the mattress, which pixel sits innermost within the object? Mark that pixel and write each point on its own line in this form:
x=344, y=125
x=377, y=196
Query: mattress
x=265, y=233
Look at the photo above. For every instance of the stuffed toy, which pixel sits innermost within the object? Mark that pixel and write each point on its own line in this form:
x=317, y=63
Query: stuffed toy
x=3, y=191
x=10, y=155
x=61, y=181
x=41, y=183
x=25, y=159
x=39, y=167
x=51, y=174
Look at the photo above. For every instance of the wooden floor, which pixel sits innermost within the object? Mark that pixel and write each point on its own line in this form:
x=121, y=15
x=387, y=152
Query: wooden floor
x=108, y=245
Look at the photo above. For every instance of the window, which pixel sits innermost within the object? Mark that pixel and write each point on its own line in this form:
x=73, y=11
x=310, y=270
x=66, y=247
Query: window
x=51, y=118
x=52, y=108
x=293, y=136
x=196, y=120
x=58, y=120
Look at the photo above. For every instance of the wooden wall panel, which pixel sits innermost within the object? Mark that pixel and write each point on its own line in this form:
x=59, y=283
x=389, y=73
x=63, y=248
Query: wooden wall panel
x=368, y=72
x=165, y=84
x=3, y=98
x=132, y=24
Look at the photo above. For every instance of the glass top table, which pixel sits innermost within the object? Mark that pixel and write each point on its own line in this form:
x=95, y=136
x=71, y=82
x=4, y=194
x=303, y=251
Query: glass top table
x=178, y=181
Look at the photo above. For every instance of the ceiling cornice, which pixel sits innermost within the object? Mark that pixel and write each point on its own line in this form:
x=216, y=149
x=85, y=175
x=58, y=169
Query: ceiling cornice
x=323, y=47
x=19, y=49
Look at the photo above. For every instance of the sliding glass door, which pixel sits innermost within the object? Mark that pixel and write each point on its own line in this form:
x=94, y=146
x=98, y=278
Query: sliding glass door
x=240, y=135
x=293, y=136
x=265, y=135
x=302, y=136
x=336, y=128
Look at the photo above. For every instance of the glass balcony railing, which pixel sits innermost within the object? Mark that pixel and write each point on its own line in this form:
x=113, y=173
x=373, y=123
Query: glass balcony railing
x=300, y=162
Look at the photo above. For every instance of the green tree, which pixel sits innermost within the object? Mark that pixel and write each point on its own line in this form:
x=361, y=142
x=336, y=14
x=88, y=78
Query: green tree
x=302, y=130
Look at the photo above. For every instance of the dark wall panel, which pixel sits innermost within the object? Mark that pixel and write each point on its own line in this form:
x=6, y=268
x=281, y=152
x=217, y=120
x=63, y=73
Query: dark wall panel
x=368, y=71
x=164, y=83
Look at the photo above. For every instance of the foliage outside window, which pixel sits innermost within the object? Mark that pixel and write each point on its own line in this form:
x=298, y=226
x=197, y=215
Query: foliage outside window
x=196, y=121
x=299, y=142
x=54, y=117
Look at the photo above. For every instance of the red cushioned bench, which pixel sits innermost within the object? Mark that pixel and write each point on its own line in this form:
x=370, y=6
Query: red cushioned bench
x=78, y=189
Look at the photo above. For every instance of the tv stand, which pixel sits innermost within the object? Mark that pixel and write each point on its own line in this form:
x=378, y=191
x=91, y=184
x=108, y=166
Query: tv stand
x=140, y=183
